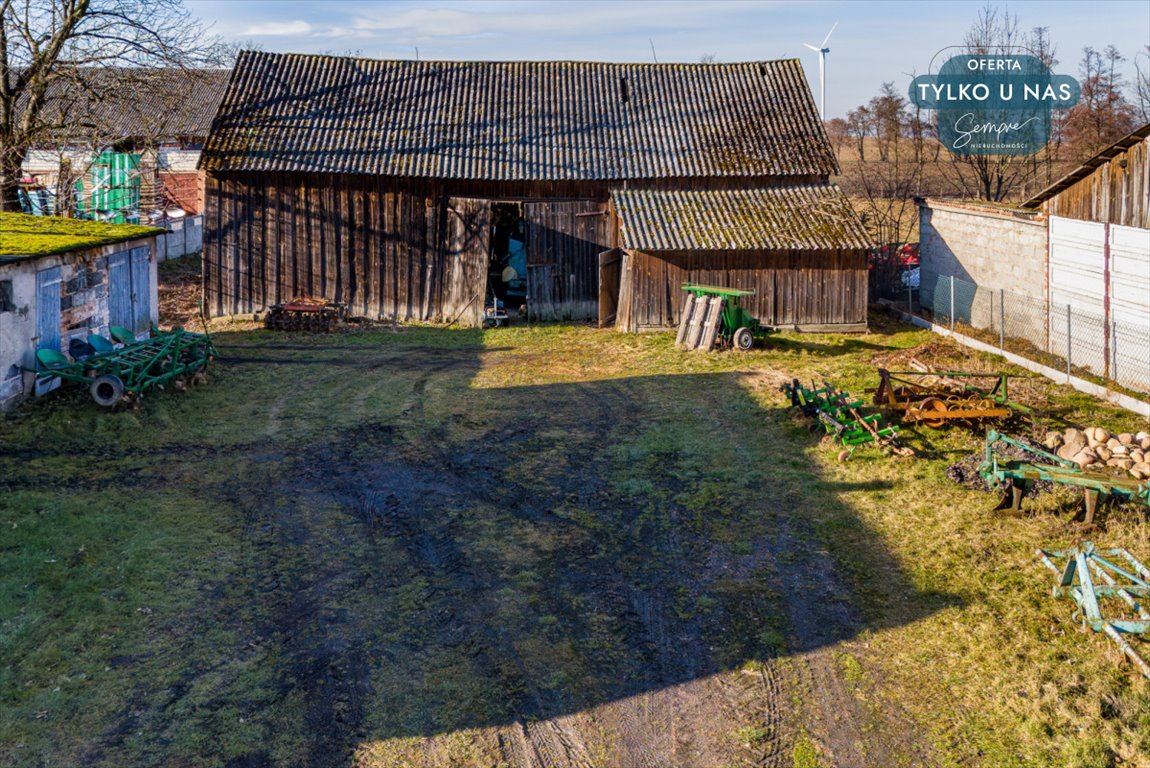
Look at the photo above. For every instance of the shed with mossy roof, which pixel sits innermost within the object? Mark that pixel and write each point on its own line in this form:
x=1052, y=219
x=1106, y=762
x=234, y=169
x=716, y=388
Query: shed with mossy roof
x=436, y=190
x=63, y=280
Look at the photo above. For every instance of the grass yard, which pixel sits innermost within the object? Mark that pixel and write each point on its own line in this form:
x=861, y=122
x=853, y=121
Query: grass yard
x=546, y=546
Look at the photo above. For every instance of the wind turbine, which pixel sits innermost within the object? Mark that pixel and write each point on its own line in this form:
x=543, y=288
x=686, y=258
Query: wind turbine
x=822, y=51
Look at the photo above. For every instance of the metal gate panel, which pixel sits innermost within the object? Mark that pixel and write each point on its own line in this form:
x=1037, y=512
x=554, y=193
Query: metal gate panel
x=48, y=309
x=1077, y=280
x=1077, y=256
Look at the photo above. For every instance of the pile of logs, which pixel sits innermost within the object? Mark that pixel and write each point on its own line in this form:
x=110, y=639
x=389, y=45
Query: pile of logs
x=1095, y=448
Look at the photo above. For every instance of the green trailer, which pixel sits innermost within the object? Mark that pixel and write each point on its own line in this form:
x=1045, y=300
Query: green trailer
x=130, y=370
x=714, y=316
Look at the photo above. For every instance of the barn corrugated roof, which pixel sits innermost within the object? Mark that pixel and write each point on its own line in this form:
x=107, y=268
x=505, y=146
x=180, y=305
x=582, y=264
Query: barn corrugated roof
x=536, y=120
x=800, y=217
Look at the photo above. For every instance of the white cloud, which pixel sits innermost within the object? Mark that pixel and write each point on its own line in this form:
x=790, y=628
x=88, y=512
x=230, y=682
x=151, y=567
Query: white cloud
x=279, y=29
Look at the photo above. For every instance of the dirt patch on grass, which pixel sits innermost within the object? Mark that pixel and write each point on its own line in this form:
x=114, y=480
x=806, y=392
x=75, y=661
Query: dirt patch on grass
x=180, y=292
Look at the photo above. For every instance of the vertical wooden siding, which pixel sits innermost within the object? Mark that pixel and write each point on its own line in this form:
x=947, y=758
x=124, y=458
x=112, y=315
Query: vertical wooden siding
x=1117, y=192
x=387, y=249
x=387, y=252
x=791, y=287
x=564, y=240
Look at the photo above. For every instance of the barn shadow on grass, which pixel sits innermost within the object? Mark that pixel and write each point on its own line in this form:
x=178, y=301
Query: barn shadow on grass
x=499, y=554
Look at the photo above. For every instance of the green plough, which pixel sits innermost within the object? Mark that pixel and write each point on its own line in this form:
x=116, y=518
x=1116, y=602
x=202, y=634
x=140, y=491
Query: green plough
x=1011, y=476
x=129, y=371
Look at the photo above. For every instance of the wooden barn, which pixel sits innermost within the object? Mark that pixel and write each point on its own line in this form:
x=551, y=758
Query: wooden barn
x=420, y=190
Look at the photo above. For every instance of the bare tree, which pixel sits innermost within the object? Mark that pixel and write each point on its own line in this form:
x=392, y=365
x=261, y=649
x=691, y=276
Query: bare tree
x=1142, y=84
x=51, y=47
x=860, y=123
x=1103, y=114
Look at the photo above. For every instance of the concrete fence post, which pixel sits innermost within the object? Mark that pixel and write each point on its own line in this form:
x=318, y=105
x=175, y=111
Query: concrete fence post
x=952, y=302
x=909, y=299
x=1001, y=319
x=1069, y=341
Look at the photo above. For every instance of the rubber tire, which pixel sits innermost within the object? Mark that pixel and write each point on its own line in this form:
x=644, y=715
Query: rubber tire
x=743, y=340
x=107, y=390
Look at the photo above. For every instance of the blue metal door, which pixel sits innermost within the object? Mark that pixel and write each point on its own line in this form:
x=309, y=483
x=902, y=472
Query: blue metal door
x=120, y=291
x=48, y=309
x=141, y=290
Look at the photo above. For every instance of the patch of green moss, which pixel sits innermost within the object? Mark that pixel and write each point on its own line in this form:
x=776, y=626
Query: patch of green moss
x=23, y=235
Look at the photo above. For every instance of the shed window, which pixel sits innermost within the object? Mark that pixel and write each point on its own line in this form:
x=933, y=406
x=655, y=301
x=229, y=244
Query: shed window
x=6, y=301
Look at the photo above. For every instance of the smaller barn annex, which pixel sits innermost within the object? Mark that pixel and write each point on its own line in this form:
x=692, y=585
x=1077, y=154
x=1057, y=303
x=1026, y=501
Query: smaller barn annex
x=419, y=190
x=64, y=279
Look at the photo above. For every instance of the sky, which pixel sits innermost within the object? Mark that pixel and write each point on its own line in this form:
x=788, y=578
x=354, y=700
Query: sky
x=873, y=42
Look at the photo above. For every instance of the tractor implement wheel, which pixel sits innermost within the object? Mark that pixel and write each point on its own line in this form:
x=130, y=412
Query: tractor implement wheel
x=930, y=412
x=742, y=339
x=107, y=390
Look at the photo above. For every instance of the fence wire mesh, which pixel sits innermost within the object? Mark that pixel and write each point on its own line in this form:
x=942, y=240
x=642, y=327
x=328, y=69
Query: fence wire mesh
x=1058, y=336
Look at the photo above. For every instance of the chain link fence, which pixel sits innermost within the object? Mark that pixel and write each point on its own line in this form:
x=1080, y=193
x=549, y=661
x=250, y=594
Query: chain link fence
x=1060, y=337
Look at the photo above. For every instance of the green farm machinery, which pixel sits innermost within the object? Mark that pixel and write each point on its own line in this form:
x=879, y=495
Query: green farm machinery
x=130, y=369
x=714, y=316
x=1109, y=586
x=841, y=416
x=1012, y=476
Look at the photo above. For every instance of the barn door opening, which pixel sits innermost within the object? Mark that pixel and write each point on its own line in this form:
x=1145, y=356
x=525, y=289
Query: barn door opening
x=507, y=271
x=610, y=275
x=467, y=242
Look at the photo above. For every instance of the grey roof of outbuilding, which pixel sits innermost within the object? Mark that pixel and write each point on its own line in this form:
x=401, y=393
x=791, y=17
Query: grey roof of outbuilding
x=535, y=120
x=800, y=217
x=113, y=103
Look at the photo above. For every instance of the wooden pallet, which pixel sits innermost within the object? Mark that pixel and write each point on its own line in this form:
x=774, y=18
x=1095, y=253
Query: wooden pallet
x=699, y=322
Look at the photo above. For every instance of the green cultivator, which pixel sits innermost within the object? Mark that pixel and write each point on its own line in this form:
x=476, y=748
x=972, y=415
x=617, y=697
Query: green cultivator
x=840, y=416
x=176, y=356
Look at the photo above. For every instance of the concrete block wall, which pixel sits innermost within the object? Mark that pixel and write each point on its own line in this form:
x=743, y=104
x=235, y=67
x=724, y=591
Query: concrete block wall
x=993, y=250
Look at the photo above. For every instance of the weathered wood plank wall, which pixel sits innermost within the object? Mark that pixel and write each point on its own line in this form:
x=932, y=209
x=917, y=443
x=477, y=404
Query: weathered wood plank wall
x=387, y=252
x=389, y=248
x=791, y=287
x=1117, y=192
x=564, y=240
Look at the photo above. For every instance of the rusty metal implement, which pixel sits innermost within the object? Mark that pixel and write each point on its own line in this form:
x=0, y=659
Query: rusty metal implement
x=1011, y=476
x=316, y=315
x=1095, y=579
x=936, y=398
